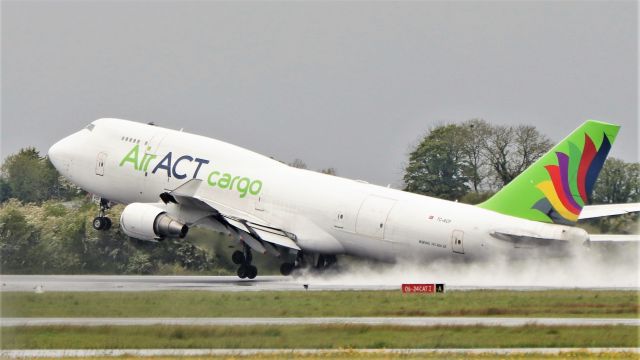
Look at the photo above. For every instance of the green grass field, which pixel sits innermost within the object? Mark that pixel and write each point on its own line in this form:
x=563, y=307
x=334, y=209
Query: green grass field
x=315, y=336
x=555, y=303
x=351, y=354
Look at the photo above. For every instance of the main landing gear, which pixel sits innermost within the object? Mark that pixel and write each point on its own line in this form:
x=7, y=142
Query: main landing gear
x=102, y=222
x=287, y=268
x=243, y=258
x=314, y=262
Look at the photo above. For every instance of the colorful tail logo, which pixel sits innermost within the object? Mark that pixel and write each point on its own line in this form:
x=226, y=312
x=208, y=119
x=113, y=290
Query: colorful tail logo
x=571, y=181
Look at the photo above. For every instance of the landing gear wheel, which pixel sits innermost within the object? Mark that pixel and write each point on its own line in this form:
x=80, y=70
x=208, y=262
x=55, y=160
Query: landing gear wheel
x=252, y=271
x=242, y=271
x=243, y=258
x=286, y=268
x=108, y=223
x=238, y=257
x=99, y=223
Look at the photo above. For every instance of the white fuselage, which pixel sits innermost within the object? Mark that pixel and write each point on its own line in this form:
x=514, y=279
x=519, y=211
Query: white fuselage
x=334, y=215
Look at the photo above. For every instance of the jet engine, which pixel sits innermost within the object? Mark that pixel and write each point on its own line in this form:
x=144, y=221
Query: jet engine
x=149, y=222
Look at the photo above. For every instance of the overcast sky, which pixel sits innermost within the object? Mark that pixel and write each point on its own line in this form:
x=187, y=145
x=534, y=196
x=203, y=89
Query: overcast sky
x=348, y=85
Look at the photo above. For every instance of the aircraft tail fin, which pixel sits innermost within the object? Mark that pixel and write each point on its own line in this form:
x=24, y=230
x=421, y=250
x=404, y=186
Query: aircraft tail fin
x=559, y=184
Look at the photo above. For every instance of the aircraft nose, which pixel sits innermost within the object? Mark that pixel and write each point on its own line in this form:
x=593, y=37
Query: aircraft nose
x=60, y=154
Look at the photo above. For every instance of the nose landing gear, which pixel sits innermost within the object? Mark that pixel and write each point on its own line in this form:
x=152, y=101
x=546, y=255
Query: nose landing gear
x=102, y=222
x=246, y=270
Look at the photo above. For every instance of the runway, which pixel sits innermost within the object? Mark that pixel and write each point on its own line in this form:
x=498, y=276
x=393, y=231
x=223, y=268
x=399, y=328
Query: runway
x=17, y=354
x=372, y=321
x=88, y=283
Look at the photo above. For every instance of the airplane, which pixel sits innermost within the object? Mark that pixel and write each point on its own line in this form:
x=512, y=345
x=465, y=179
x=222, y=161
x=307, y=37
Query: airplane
x=171, y=180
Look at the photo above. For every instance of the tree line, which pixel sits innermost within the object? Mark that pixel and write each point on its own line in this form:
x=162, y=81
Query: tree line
x=472, y=160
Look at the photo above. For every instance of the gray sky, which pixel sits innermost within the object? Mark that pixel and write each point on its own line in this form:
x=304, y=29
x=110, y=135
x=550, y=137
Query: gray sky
x=348, y=85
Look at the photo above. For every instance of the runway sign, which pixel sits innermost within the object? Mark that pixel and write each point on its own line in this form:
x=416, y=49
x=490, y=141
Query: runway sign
x=422, y=288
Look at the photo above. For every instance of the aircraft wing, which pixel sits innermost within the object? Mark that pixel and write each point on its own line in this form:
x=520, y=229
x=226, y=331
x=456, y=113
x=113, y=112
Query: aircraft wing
x=595, y=211
x=250, y=229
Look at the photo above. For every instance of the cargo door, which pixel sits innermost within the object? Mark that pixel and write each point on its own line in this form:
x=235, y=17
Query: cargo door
x=373, y=215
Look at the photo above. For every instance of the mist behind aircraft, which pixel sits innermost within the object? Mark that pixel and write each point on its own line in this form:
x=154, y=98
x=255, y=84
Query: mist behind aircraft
x=612, y=266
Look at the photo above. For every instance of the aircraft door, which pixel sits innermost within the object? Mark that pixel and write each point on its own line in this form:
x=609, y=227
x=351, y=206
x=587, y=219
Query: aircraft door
x=100, y=160
x=456, y=241
x=372, y=216
x=338, y=220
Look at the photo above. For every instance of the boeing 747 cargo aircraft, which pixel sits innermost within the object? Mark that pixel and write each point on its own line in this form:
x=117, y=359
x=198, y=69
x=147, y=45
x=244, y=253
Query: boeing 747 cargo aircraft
x=172, y=180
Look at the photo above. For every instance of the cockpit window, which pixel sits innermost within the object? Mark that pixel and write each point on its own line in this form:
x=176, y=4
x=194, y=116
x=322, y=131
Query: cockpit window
x=90, y=127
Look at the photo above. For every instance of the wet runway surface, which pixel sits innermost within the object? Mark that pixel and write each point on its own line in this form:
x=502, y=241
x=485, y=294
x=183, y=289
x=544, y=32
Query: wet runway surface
x=375, y=321
x=86, y=283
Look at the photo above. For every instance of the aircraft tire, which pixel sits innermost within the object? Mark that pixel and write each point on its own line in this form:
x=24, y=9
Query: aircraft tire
x=252, y=272
x=99, y=223
x=242, y=272
x=286, y=268
x=238, y=257
x=107, y=224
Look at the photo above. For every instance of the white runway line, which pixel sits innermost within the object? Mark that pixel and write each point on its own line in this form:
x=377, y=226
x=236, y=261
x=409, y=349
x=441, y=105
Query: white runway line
x=374, y=321
x=16, y=354
x=85, y=283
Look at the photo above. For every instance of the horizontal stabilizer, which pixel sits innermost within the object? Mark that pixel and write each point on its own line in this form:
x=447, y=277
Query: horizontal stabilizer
x=603, y=238
x=596, y=211
x=521, y=239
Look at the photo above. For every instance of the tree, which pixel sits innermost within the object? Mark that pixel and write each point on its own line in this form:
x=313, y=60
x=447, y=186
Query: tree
x=328, y=171
x=5, y=190
x=618, y=182
x=452, y=159
x=18, y=241
x=476, y=168
x=510, y=150
x=299, y=164
x=30, y=177
x=435, y=166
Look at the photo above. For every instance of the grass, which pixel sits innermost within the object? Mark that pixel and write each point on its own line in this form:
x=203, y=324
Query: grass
x=352, y=354
x=554, y=303
x=315, y=336
x=355, y=354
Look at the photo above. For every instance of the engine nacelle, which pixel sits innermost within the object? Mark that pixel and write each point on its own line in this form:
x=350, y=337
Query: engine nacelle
x=148, y=222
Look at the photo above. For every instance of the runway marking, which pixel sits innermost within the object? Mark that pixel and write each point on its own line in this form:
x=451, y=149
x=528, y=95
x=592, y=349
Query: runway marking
x=375, y=321
x=15, y=354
